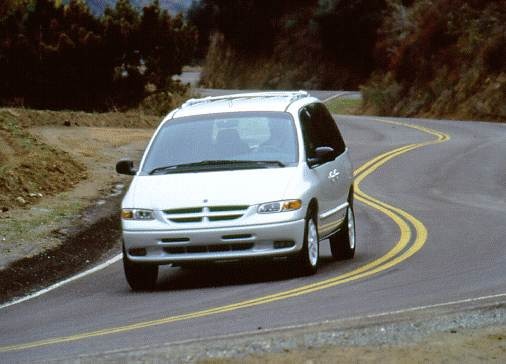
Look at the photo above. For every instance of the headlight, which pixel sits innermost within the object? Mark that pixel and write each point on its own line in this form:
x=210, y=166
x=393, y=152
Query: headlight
x=136, y=214
x=279, y=206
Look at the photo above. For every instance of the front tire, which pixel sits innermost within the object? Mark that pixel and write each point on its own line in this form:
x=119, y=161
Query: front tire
x=342, y=243
x=309, y=256
x=140, y=277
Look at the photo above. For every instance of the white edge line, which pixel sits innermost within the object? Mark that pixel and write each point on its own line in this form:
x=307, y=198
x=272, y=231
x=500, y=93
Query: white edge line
x=65, y=281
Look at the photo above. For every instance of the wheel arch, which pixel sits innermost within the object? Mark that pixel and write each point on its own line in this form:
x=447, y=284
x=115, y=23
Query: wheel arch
x=312, y=209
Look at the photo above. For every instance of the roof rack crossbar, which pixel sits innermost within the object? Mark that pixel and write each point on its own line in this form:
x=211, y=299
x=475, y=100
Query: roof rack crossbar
x=294, y=95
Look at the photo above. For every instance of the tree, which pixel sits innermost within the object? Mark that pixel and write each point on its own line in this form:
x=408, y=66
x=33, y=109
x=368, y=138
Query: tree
x=348, y=31
x=56, y=56
x=167, y=44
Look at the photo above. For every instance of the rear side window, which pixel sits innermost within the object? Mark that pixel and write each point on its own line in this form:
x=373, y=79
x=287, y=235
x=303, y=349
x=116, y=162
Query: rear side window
x=320, y=129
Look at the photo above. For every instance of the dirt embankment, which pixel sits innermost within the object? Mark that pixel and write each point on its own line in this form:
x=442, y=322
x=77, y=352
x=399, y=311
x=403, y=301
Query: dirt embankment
x=44, y=153
x=31, y=169
x=59, y=192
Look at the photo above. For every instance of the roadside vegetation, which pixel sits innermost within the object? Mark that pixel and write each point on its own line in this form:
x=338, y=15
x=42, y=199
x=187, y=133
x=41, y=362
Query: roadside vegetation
x=55, y=56
x=437, y=58
x=287, y=44
x=441, y=58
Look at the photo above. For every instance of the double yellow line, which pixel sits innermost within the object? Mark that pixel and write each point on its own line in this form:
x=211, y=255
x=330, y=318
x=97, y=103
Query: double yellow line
x=411, y=230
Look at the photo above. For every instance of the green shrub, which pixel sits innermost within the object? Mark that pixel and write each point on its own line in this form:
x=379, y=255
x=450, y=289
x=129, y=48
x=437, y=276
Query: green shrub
x=63, y=57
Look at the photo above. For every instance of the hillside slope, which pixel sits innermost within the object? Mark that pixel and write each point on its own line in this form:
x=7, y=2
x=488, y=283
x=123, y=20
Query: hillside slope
x=436, y=58
x=442, y=58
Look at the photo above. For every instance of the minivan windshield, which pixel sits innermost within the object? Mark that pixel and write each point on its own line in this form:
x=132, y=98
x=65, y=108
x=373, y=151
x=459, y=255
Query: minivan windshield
x=241, y=140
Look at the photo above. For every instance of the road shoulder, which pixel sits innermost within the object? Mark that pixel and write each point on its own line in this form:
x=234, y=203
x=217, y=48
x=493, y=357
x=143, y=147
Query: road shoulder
x=451, y=333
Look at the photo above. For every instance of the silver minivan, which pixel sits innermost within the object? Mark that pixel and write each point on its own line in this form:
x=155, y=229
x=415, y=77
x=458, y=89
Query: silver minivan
x=244, y=176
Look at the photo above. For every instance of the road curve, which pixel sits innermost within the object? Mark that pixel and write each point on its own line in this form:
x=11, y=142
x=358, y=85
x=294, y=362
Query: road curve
x=430, y=209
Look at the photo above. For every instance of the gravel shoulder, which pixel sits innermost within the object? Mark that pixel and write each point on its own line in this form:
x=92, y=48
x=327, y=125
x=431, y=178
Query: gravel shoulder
x=470, y=332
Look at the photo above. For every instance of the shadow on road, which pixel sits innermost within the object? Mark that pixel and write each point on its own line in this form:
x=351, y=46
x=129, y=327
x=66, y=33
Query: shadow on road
x=230, y=274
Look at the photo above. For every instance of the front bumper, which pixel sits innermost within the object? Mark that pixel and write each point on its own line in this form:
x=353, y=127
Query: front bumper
x=214, y=244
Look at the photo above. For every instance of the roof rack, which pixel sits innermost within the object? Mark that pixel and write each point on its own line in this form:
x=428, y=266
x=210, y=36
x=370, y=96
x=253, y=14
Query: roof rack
x=293, y=95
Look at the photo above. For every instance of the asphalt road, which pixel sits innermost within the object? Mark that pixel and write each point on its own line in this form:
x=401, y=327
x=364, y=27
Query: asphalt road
x=431, y=225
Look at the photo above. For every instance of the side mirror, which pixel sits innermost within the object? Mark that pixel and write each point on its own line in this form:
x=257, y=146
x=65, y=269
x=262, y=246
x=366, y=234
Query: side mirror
x=322, y=155
x=126, y=166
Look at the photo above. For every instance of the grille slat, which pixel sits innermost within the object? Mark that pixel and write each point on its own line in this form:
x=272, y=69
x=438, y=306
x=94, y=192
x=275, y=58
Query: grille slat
x=227, y=208
x=224, y=217
x=187, y=219
x=204, y=214
x=190, y=210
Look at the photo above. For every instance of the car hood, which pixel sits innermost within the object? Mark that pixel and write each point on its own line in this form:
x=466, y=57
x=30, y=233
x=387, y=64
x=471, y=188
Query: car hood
x=237, y=187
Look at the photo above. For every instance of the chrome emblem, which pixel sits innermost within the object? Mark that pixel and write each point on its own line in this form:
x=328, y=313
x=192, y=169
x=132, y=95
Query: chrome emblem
x=333, y=174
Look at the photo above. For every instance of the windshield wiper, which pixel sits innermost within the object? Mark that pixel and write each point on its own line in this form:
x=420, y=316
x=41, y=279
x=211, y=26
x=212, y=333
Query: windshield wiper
x=277, y=163
x=215, y=163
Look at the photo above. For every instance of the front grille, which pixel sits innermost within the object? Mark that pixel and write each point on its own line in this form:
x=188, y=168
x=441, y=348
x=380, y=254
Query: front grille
x=218, y=248
x=205, y=214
